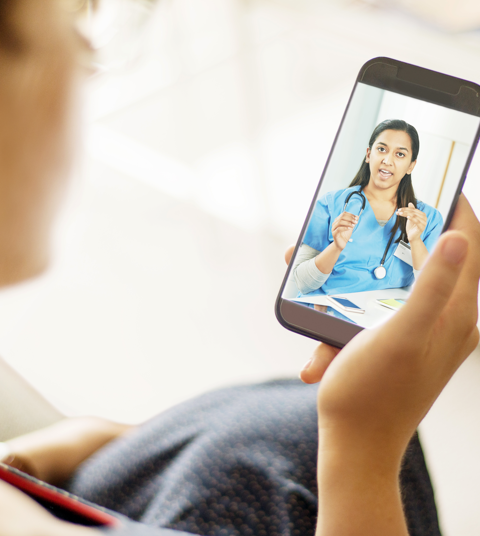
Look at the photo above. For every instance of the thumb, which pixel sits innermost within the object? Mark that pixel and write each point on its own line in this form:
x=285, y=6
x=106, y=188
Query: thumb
x=411, y=205
x=436, y=283
x=316, y=367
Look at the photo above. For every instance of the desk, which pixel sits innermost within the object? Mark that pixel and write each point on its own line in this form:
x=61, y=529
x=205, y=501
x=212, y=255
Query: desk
x=374, y=312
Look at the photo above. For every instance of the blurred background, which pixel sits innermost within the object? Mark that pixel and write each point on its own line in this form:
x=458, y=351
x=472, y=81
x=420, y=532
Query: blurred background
x=207, y=127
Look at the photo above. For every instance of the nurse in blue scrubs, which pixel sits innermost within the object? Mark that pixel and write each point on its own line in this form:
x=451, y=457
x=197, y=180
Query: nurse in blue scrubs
x=352, y=239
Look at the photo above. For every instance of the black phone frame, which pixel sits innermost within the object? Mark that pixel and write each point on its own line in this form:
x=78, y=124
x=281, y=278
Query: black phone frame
x=404, y=79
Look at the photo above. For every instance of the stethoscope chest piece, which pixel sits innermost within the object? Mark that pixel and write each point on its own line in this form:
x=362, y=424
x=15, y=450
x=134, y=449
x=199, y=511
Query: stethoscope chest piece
x=380, y=272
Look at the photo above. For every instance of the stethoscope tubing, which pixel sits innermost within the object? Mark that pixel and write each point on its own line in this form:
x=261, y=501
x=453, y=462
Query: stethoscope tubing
x=382, y=262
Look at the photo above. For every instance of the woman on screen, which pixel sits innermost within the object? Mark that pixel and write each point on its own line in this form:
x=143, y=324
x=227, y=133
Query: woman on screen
x=374, y=234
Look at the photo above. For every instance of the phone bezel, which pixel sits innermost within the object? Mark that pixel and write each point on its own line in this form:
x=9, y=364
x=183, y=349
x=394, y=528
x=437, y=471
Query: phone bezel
x=405, y=79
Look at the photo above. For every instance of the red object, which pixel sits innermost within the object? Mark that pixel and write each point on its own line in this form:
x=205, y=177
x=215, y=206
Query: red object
x=55, y=497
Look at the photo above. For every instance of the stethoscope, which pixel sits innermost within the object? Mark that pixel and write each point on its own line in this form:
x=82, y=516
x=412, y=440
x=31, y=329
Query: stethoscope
x=380, y=271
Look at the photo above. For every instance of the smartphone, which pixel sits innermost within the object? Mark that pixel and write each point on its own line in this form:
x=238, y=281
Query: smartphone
x=58, y=502
x=401, y=153
x=345, y=304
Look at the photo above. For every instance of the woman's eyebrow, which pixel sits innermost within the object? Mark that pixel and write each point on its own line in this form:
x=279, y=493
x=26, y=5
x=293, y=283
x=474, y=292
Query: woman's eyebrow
x=385, y=145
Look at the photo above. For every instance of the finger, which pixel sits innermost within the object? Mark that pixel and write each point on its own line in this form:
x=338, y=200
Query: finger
x=342, y=230
x=406, y=212
x=420, y=216
x=346, y=216
x=343, y=223
x=340, y=223
x=315, y=368
x=435, y=285
x=465, y=297
x=410, y=210
x=417, y=221
x=289, y=253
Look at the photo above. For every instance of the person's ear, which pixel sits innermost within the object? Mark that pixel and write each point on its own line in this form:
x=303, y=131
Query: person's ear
x=367, y=158
x=410, y=167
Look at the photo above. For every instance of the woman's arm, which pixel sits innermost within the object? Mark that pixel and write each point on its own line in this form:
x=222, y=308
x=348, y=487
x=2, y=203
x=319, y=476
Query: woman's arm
x=326, y=260
x=52, y=454
x=375, y=391
x=419, y=253
x=305, y=272
x=312, y=267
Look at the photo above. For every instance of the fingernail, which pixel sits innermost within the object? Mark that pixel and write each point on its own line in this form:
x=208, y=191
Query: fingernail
x=307, y=364
x=454, y=249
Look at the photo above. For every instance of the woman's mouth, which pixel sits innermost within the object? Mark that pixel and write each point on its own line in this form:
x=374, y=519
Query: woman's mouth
x=384, y=174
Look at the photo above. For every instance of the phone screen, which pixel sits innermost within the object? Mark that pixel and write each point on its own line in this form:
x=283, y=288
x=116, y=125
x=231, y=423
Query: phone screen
x=346, y=303
x=392, y=152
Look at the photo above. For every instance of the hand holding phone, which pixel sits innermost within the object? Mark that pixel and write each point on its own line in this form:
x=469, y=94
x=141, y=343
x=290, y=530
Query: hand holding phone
x=376, y=390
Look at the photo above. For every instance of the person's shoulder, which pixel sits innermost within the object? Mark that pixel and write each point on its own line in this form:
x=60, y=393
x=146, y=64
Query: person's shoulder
x=334, y=196
x=432, y=213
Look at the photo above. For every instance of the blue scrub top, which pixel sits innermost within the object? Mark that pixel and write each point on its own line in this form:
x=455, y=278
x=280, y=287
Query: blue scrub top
x=353, y=271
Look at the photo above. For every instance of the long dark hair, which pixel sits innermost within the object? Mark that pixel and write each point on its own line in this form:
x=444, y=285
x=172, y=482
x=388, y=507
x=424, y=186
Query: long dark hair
x=405, y=193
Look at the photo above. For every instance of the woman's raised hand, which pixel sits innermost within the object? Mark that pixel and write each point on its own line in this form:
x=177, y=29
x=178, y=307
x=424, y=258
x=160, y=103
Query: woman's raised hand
x=401, y=366
x=416, y=221
x=342, y=229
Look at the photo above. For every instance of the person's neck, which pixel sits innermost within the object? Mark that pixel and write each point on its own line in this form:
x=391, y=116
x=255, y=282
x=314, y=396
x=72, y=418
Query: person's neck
x=380, y=195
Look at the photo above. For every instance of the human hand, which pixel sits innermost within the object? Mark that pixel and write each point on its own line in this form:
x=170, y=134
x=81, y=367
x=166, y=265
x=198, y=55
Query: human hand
x=377, y=389
x=53, y=453
x=22, y=516
x=416, y=221
x=380, y=386
x=342, y=229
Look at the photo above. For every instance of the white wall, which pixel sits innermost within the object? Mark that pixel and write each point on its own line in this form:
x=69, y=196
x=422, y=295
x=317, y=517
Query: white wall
x=353, y=139
x=437, y=128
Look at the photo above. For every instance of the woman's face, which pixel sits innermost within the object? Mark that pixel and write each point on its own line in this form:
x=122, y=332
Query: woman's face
x=37, y=134
x=390, y=158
